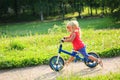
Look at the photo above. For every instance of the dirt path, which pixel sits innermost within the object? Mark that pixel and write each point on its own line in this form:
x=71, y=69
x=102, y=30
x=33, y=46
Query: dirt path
x=44, y=72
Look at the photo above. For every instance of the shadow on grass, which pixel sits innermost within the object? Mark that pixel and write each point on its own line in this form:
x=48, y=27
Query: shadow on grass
x=108, y=53
x=109, y=26
x=99, y=23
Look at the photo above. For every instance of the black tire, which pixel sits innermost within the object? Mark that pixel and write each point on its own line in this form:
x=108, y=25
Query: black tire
x=91, y=63
x=54, y=66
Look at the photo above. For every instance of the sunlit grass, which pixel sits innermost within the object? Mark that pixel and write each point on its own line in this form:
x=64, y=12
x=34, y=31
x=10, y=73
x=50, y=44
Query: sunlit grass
x=110, y=76
x=43, y=47
x=26, y=44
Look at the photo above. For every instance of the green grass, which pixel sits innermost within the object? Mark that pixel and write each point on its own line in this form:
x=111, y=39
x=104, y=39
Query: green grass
x=28, y=28
x=110, y=76
x=98, y=23
x=38, y=46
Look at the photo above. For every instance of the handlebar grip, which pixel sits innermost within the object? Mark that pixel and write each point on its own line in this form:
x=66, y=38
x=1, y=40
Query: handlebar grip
x=64, y=38
x=62, y=41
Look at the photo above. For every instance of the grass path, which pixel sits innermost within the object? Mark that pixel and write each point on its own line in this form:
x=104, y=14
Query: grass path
x=44, y=72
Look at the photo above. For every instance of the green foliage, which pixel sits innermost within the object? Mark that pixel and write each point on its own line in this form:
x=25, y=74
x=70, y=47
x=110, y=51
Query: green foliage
x=17, y=45
x=58, y=28
x=116, y=15
x=29, y=10
x=110, y=52
x=38, y=49
x=55, y=29
x=35, y=49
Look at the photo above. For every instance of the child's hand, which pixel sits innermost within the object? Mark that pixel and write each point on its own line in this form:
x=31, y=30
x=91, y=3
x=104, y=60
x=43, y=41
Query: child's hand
x=64, y=37
x=62, y=40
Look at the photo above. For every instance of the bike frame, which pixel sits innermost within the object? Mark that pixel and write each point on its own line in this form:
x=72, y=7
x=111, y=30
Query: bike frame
x=66, y=52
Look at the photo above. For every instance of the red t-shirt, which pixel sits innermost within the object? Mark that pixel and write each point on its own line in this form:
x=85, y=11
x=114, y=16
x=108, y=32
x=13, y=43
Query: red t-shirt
x=77, y=42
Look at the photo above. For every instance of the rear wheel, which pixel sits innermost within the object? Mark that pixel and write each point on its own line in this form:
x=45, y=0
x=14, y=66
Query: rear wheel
x=56, y=66
x=91, y=63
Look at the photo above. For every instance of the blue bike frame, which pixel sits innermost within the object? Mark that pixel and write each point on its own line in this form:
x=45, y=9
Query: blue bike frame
x=69, y=53
x=57, y=63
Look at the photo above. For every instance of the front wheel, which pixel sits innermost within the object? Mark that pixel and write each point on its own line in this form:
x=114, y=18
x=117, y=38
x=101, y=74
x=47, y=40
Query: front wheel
x=56, y=66
x=91, y=63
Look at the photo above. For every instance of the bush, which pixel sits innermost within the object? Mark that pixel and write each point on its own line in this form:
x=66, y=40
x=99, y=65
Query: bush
x=16, y=45
x=57, y=28
x=110, y=52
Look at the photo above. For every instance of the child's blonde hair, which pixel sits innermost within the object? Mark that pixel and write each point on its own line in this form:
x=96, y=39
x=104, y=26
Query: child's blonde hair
x=73, y=23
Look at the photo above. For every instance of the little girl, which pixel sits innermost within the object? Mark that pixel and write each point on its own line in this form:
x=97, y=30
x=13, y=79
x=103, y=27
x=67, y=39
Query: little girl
x=78, y=45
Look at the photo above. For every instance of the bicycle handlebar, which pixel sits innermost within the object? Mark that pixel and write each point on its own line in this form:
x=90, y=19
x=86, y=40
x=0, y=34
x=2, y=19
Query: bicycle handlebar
x=62, y=40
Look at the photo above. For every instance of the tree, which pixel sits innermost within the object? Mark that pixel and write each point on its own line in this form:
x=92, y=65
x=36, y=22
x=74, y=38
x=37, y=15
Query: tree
x=114, y=7
x=16, y=7
x=96, y=5
x=89, y=3
x=79, y=6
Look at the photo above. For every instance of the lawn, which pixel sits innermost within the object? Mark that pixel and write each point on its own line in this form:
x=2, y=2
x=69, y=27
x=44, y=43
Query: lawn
x=36, y=27
x=110, y=76
x=34, y=43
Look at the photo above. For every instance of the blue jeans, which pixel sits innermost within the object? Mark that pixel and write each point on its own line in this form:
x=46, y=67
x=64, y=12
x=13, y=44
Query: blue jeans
x=82, y=51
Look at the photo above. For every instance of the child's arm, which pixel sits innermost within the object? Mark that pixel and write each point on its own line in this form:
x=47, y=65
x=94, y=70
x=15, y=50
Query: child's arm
x=66, y=37
x=71, y=38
